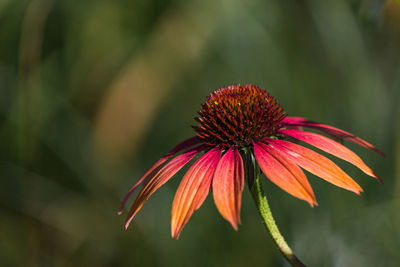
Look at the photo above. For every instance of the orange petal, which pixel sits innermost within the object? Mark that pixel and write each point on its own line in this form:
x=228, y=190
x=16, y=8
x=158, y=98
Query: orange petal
x=188, y=143
x=283, y=172
x=332, y=147
x=156, y=181
x=338, y=133
x=193, y=190
x=316, y=164
x=228, y=185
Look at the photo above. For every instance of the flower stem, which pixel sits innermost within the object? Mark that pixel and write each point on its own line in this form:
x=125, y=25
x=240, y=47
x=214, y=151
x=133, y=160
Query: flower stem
x=265, y=212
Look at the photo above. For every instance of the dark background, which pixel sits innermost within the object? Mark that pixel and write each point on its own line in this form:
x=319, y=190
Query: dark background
x=93, y=92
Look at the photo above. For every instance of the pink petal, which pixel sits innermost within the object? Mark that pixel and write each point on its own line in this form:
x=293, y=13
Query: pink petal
x=298, y=121
x=332, y=147
x=316, y=164
x=156, y=181
x=193, y=190
x=188, y=143
x=283, y=172
x=228, y=185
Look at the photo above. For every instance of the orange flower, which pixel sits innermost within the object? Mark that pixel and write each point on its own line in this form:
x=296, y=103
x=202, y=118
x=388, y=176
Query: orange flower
x=235, y=119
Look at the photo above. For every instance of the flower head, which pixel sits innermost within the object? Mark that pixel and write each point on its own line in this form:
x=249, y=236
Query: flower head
x=240, y=118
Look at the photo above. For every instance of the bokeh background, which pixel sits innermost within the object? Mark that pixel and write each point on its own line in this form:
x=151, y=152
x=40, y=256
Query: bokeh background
x=93, y=92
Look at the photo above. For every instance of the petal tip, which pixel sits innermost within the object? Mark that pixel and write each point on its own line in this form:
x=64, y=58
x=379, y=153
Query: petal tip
x=127, y=223
x=235, y=222
x=175, y=236
x=380, y=152
x=235, y=226
x=313, y=203
x=176, y=232
x=378, y=178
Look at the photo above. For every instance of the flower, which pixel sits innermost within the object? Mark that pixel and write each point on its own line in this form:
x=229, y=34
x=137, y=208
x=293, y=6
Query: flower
x=242, y=118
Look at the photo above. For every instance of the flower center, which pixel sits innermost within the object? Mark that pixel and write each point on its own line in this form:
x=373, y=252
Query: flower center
x=238, y=115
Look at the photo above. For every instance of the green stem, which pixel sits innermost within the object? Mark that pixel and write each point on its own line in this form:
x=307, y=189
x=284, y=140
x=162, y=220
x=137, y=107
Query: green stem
x=265, y=212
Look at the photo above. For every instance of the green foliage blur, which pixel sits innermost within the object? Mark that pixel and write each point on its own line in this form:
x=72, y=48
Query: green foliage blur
x=93, y=92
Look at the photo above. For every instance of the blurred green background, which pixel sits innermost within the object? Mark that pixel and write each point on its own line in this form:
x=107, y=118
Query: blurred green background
x=93, y=92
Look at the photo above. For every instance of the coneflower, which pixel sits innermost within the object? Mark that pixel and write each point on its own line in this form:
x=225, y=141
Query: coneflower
x=242, y=127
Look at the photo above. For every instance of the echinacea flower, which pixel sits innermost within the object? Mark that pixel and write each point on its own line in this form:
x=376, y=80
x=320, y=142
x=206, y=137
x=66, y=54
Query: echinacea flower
x=238, y=119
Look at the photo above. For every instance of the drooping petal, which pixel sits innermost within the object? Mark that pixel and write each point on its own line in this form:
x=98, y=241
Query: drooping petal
x=283, y=172
x=193, y=190
x=332, y=147
x=338, y=133
x=188, y=143
x=316, y=164
x=156, y=181
x=228, y=185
